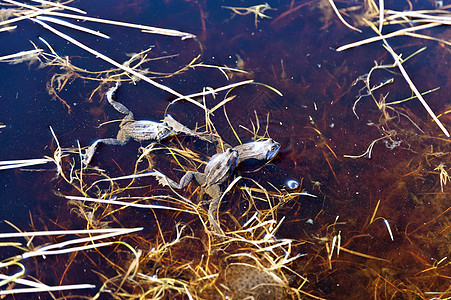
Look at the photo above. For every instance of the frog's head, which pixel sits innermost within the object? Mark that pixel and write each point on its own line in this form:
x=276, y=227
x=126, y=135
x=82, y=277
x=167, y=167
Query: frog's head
x=232, y=158
x=163, y=131
x=272, y=147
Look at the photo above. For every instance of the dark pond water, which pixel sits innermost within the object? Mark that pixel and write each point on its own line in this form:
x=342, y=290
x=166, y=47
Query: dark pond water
x=294, y=52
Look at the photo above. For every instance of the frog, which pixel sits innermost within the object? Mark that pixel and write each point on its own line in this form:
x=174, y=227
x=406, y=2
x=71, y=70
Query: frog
x=260, y=150
x=218, y=170
x=129, y=128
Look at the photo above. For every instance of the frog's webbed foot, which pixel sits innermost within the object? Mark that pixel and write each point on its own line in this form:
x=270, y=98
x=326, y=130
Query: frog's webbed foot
x=89, y=153
x=166, y=181
x=87, y=156
x=114, y=142
x=162, y=179
x=178, y=128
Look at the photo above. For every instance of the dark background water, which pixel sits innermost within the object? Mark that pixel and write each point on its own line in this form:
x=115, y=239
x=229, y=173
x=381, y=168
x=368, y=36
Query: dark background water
x=294, y=53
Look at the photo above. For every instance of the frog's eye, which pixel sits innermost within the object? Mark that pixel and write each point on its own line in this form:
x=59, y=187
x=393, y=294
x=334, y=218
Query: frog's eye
x=273, y=148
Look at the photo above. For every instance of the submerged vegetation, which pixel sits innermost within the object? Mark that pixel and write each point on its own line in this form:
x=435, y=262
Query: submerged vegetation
x=321, y=219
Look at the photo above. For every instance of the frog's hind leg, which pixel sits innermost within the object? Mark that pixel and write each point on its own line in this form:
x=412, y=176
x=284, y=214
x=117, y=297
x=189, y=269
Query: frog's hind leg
x=87, y=156
x=214, y=204
x=186, y=179
x=118, y=106
x=215, y=192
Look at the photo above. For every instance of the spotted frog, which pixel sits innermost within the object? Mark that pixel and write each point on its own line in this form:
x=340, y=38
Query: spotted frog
x=218, y=169
x=139, y=131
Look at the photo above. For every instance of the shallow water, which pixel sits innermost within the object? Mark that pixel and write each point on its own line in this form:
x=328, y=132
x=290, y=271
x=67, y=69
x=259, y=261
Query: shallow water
x=294, y=52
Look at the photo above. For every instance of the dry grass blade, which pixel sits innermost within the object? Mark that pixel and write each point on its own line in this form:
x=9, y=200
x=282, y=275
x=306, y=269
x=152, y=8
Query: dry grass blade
x=28, y=14
x=223, y=102
x=9, y=28
x=369, y=150
x=125, y=204
x=22, y=54
x=14, y=164
x=55, y=249
x=57, y=6
x=49, y=249
x=59, y=232
x=68, y=250
x=143, y=28
x=426, y=37
x=341, y=18
x=134, y=176
x=22, y=281
x=212, y=91
x=381, y=14
x=47, y=289
x=73, y=26
x=61, y=6
x=422, y=15
x=401, y=32
x=363, y=254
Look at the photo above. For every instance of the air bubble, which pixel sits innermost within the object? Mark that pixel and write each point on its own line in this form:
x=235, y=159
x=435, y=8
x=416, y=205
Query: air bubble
x=292, y=184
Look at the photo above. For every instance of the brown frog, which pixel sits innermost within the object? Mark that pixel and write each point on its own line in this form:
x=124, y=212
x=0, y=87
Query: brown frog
x=218, y=169
x=140, y=131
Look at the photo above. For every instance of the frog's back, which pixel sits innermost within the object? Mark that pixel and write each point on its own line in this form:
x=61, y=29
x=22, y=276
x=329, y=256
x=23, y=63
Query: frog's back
x=145, y=130
x=220, y=167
